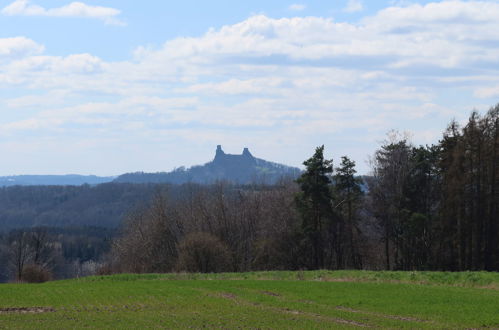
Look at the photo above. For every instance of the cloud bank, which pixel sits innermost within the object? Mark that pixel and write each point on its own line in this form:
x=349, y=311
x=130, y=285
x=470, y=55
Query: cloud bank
x=285, y=85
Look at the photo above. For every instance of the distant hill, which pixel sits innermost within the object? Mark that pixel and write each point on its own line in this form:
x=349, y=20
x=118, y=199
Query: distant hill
x=52, y=180
x=239, y=169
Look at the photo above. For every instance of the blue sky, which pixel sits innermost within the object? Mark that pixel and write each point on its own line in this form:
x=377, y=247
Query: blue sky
x=106, y=87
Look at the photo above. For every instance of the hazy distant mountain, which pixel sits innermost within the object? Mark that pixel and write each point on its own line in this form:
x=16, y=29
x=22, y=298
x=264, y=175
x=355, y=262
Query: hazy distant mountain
x=240, y=169
x=52, y=180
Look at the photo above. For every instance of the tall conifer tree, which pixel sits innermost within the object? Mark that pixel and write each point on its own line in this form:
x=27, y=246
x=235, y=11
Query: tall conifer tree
x=314, y=203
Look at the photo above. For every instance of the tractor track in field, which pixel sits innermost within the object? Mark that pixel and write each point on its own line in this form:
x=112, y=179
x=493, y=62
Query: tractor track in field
x=386, y=316
x=283, y=310
x=238, y=300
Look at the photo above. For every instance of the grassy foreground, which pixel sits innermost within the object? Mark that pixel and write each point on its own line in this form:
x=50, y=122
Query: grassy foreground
x=322, y=299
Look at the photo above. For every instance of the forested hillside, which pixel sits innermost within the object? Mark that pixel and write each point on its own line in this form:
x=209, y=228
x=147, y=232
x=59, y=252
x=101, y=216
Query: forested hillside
x=65, y=206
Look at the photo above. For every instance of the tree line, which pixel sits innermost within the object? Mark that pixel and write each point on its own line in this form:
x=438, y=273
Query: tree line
x=438, y=204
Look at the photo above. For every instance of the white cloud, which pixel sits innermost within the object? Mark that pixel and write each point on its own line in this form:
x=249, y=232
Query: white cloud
x=237, y=86
x=74, y=9
x=354, y=6
x=52, y=98
x=297, y=7
x=451, y=12
x=313, y=38
x=19, y=47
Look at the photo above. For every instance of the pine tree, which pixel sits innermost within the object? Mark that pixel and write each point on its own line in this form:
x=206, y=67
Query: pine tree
x=314, y=204
x=348, y=192
x=421, y=198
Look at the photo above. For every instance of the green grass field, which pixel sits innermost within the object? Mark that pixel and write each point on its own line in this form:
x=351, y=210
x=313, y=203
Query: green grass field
x=321, y=299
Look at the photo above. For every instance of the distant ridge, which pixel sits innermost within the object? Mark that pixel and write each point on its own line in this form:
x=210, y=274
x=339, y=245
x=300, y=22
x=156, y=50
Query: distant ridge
x=239, y=169
x=53, y=180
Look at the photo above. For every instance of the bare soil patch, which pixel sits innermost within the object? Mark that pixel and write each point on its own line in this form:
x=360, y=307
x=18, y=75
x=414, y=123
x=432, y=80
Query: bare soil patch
x=227, y=295
x=26, y=310
x=323, y=317
x=338, y=279
x=393, y=317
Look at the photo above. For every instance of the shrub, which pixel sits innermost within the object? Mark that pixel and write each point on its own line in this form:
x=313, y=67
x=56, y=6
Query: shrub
x=105, y=269
x=35, y=274
x=204, y=253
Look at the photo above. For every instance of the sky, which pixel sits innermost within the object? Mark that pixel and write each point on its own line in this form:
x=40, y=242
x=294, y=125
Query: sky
x=106, y=87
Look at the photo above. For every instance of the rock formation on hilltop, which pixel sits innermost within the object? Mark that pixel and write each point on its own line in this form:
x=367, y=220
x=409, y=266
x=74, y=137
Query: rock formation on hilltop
x=240, y=169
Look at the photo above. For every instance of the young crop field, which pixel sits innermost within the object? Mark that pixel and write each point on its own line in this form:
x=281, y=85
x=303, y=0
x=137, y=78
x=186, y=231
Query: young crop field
x=322, y=299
